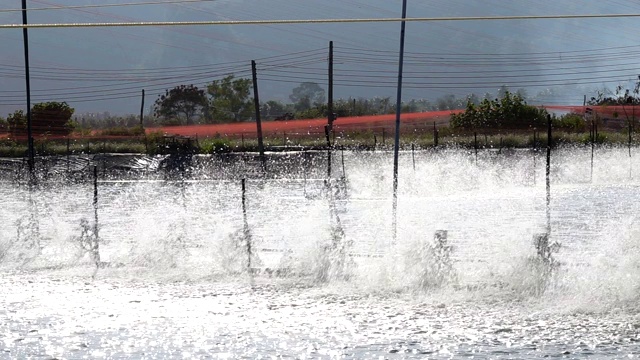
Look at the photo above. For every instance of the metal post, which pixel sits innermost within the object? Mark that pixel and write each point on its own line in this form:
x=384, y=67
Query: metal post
x=25, y=36
x=475, y=145
x=142, y=111
x=344, y=173
x=548, y=173
x=413, y=156
x=246, y=233
x=95, y=250
x=396, y=146
x=330, y=117
x=257, y=107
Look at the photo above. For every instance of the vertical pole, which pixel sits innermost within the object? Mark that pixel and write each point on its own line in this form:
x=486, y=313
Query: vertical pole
x=95, y=250
x=104, y=158
x=284, y=138
x=256, y=101
x=25, y=37
x=413, y=156
x=330, y=117
x=593, y=141
x=548, y=173
x=242, y=139
x=68, y=154
x=247, y=235
x=344, y=173
x=633, y=119
x=396, y=146
x=435, y=135
x=329, y=161
x=475, y=144
x=142, y=111
x=535, y=153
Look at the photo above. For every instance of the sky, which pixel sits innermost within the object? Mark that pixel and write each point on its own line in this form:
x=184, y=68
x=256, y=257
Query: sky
x=556, y=61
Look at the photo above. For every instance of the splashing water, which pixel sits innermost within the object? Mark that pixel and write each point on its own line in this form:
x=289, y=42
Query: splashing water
x=463, y=279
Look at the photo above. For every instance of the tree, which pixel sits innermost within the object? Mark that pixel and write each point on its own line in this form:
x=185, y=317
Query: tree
x=3, y=125
x=230, y=99
x=52, y=118
x=273, y=109
x=306, y=95
x=510, y=112
x=17, y=123
x=182, y=103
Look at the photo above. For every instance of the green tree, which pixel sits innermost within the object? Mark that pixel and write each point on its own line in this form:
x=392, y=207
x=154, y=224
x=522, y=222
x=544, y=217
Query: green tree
x=509, y=112
x=181, y=104
x=273, y=109
x=4, y=126
x=306, y=95
x=17, y=123
x=51, y=118
x=230, y=99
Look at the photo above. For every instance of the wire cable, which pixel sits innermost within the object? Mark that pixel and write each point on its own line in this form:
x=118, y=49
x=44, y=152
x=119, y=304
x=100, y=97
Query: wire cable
x=74, y=7
x=315, y=21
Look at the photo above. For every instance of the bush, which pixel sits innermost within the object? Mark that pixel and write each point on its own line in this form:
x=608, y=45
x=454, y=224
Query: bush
x=570, y=122
x=214, y=146
x=510, y=112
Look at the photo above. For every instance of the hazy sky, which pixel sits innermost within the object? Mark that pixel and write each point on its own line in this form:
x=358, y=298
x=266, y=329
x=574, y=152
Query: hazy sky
x=104, y=69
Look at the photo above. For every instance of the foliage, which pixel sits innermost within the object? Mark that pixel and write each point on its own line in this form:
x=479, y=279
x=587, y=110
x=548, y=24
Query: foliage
x=312, y=113
x=307, y=95
x=273, y=109
x=52, y=118
x=509, y=112
x=4, y=126
x=17, y=123
x=230, y=99
x=215, y=146
x=183, y=102
x=571, y=122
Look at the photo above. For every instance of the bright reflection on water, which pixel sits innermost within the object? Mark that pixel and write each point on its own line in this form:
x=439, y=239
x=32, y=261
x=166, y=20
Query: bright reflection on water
x=176, y=286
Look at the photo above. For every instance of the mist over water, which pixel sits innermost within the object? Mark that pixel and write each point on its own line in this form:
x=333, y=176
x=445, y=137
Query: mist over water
x=328, y=279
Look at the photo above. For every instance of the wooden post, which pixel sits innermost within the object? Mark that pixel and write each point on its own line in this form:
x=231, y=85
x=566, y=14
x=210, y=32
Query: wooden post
x=68, y=154
x=257, y=107
x=413, y=155
x=548, y=173
x=535, y=153
x=246, y=232
x=435, y=135
x=104, y=158
x=475, y=144
x=25, y=38
x=326, y=134
x=344, y=173
x=330, y=116
x=95, y=249
x=593, y=146
x=142, y=111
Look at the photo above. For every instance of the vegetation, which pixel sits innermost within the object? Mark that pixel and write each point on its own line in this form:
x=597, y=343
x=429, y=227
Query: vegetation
x=181, y=104
x=48, y=118
x=307, y=95
x=509, y=112
x=230, y=99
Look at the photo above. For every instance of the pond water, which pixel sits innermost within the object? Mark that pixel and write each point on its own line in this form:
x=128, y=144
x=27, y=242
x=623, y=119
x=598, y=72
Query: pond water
x=328, y=278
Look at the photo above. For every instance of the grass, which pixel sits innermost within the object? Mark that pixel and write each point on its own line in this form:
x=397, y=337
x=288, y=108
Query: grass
x=352, y=140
